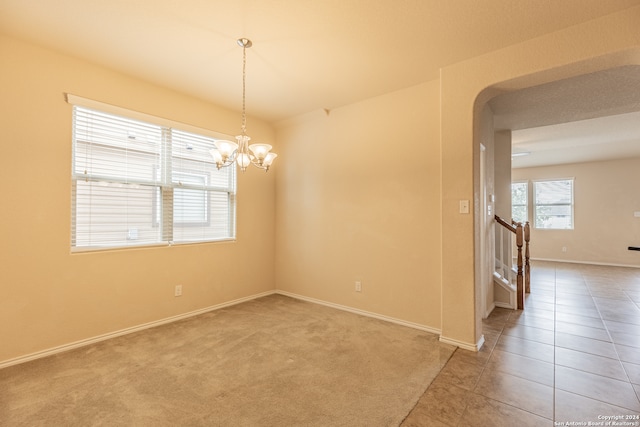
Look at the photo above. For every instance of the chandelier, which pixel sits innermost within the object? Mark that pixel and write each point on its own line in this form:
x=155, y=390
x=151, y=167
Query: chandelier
x=226, y=152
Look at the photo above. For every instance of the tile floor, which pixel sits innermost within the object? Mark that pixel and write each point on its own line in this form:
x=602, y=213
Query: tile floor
x=570, y=358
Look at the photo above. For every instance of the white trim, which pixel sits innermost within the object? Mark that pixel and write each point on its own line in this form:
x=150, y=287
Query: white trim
x=464, y=345
x=132, y=114
x=504, y=305
x=569, y=261
x=96, y=339
x=489, y=309
x=362, y=312
x=89, y=341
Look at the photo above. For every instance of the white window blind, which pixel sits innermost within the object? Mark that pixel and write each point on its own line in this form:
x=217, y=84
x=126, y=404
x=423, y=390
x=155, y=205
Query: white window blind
x=553, y=204
x=136, y=183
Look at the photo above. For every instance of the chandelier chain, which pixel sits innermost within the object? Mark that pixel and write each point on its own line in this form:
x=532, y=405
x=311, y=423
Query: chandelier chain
x=244, y=78
x=227, y=153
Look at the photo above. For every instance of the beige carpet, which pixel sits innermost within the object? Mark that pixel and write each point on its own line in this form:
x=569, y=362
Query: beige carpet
x=274, y=361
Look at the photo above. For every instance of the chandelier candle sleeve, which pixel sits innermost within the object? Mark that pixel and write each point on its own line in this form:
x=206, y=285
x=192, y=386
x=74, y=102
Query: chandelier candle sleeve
x=226, y=152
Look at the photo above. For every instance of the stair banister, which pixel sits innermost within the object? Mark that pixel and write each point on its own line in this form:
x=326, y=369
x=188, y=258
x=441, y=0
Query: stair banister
x=523, y=277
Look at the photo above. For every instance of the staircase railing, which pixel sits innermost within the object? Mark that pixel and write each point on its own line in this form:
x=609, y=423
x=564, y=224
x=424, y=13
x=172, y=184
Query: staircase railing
x=505, y=258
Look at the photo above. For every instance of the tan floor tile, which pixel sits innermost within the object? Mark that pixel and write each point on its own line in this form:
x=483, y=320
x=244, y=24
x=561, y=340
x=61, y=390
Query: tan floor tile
x=490, y=340
x=606, y=304
x=532, y=349
x=544, y=336
x=573, y=289
x=591, y=307
x=599, y=365
x=524, y=394
x=523, y=367
x=478, y=358
x=422, y=420
x=460, y=373
x=628, y=354
x=528, y=319
x=573, y=300
x=614, y=392
x=537, y=305
x=633, y=372
x=537, y=312
x=482, y=411
x=633, y=295
x=572, y=407
x=610, y=294
x=582, y=311
x=622, y=316
x=587, y=345
x=442, y=402
x=592, y=322
x=583, y=331
x=627, y=328
x=625, y=339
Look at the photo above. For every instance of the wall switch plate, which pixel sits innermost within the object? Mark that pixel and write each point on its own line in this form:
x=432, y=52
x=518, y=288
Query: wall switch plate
x=358, y=286
x=178, y=291
x=464, y=206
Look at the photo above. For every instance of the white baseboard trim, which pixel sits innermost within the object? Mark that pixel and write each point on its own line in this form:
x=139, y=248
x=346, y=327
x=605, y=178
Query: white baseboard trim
x=362, y=312
x=489, y=310
x=467, y=346
x=93, y=340
x=569, y=261
x=503, y=305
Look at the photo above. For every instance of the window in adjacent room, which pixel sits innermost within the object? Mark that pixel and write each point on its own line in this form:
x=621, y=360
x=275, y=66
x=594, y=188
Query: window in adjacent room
x=519, y=201
x=553, y=204
x=137, y=183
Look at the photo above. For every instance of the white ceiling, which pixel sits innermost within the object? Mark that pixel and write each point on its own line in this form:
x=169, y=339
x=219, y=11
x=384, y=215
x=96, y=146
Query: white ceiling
x=306, y=55
x=591, y=117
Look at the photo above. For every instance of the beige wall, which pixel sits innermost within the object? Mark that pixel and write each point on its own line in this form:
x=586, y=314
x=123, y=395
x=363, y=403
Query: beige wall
x=51, y=297
x=605, y=198
x=358, y=198
x=344, y=207
x=599, y=44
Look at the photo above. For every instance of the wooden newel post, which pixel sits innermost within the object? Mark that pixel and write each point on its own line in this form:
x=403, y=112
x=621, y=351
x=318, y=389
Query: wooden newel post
x=520, y=294
x=527, y=266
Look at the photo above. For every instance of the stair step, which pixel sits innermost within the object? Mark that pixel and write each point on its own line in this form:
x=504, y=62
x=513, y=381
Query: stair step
x=504, y=283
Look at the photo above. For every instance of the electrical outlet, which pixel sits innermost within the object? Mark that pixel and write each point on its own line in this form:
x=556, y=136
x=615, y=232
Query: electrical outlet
x=358, y=286
x=178, y=291
x=564, y=249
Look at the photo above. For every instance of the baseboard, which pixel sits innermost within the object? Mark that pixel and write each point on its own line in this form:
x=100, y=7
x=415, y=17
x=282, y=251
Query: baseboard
x=467, y=346
x=93, y=340
x=569, y=261
x=362, y=312
x=503, y=305
x=489, y=310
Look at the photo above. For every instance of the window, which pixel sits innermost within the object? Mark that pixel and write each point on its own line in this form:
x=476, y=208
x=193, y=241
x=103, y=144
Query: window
x=519, y=201
x=553, y=204
x=136, y=183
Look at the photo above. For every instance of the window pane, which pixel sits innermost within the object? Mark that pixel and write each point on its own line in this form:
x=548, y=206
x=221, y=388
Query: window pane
x=138, y=183
x=519, y=213
x=554, y=192
x=108, y=215
x=519, y=193
x=554, y=204
x=519, y=201
x=218, y=223
x=190, y=152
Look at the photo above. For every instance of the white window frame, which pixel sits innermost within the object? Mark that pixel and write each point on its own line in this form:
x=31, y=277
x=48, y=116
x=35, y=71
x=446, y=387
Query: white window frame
x=162, y=181
x=526, y=203
x=537, y=204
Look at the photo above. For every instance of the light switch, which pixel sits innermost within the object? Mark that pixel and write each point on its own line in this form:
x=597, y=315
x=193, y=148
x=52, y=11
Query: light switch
x=636, y=214
x=464, y=206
